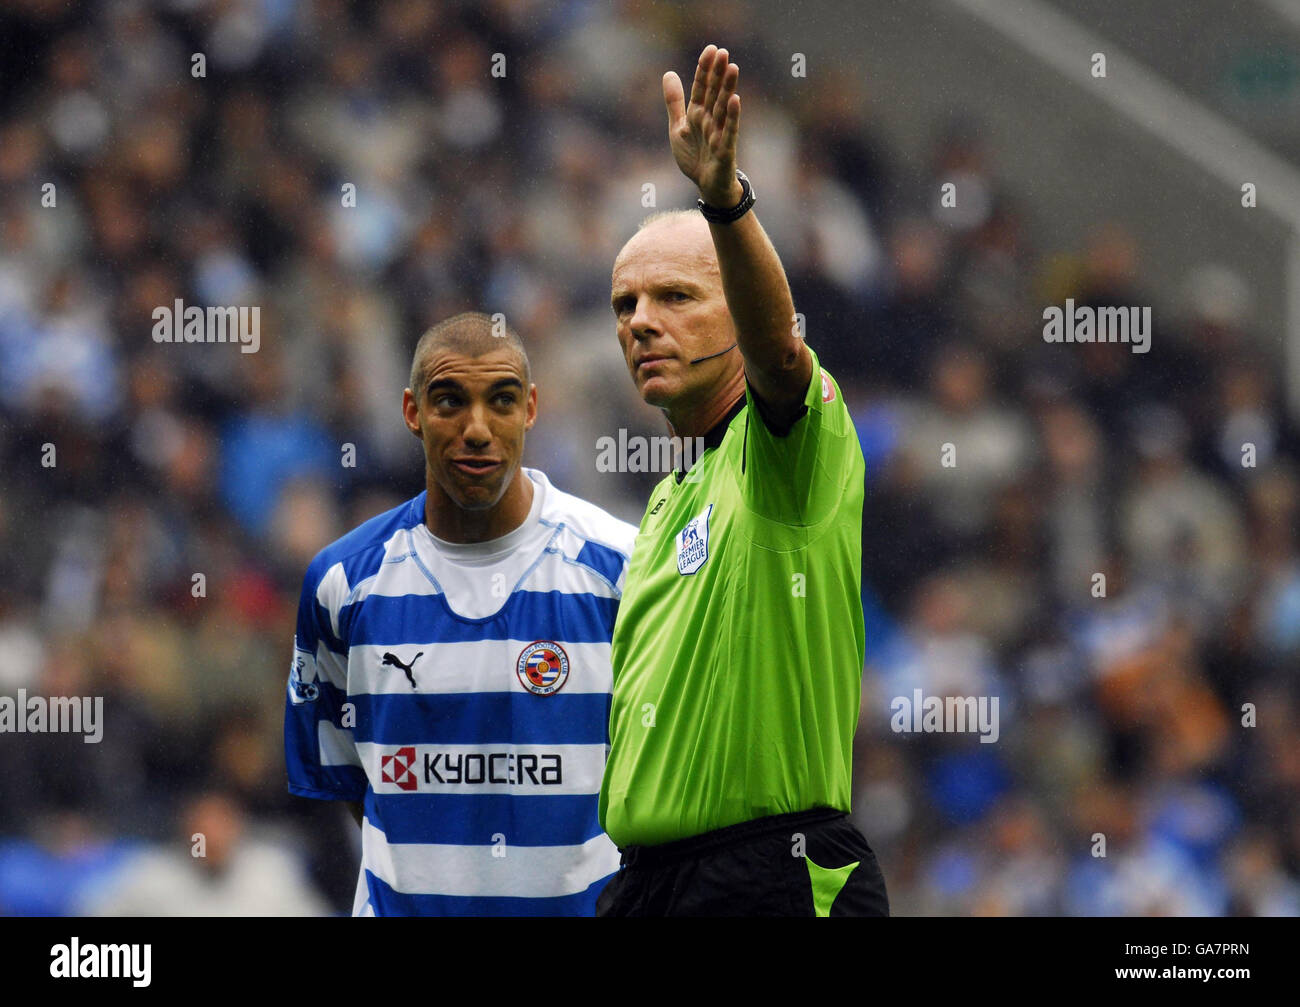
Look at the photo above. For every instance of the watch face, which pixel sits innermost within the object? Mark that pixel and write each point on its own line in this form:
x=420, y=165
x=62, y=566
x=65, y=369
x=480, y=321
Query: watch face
x=725, y=215
x=747, y=200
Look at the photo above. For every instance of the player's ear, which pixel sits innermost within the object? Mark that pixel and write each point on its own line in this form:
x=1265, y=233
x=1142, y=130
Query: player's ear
x=411, y=413
x=532, y=407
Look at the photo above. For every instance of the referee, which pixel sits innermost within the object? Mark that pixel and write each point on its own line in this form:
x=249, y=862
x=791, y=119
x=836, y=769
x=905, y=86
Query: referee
x=738, y=645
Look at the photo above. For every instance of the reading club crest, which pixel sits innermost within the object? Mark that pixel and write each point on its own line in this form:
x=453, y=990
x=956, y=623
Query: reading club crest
x=543, y=667
x=693, y=542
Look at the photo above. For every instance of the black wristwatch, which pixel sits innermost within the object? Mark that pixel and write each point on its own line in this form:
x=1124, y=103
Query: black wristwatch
x=716, y=216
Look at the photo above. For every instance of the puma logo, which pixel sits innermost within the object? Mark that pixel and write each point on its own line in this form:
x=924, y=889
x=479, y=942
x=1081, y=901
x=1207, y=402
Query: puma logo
x=392, y=660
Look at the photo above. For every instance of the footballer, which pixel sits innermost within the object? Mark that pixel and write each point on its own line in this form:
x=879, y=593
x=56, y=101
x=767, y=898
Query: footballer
x=451, y=668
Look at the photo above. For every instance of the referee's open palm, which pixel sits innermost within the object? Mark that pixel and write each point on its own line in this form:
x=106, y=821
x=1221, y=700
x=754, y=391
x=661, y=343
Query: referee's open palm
x=703, y=133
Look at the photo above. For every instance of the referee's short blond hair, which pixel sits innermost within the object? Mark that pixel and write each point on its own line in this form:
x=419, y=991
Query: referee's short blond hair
x=659, y=215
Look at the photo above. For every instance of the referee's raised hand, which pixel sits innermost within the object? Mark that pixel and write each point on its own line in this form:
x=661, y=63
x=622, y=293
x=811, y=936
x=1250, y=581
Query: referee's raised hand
x=703, y=133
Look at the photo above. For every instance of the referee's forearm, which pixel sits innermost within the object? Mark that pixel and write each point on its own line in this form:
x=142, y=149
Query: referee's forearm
x=758, y=297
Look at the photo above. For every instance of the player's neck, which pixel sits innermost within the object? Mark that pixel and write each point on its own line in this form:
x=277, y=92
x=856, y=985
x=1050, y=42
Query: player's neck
x=451, y=523
x=698, y=420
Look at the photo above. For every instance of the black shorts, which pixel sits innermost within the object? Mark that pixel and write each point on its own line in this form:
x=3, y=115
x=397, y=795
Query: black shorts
x=784, y=865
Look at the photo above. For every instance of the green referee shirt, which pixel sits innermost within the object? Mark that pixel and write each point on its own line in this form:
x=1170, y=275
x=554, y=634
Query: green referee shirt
x=738, y=645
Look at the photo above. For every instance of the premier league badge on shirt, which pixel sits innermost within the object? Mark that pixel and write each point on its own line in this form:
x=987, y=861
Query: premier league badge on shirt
x=693, y=542
x=302, y=677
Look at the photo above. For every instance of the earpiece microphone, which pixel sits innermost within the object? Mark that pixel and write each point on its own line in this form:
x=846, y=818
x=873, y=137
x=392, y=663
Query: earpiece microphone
x=698, y=360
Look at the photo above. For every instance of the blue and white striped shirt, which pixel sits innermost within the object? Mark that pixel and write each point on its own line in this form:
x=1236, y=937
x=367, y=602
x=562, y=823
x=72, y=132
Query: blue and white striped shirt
x=461, y=693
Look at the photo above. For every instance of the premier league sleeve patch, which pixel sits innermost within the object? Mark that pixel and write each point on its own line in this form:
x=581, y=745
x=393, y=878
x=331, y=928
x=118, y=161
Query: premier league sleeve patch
x=543, y=667
x=302, y=676
x=693, y=542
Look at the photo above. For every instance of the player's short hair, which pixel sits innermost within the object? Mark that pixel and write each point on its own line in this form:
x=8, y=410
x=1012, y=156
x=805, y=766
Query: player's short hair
x=472, y=333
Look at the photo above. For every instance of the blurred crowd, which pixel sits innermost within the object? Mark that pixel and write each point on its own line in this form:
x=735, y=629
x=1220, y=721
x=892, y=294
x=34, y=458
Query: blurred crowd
x=1113, y=553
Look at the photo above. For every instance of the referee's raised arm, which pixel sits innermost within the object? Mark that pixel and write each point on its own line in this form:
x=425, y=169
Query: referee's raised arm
x=703, y=136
